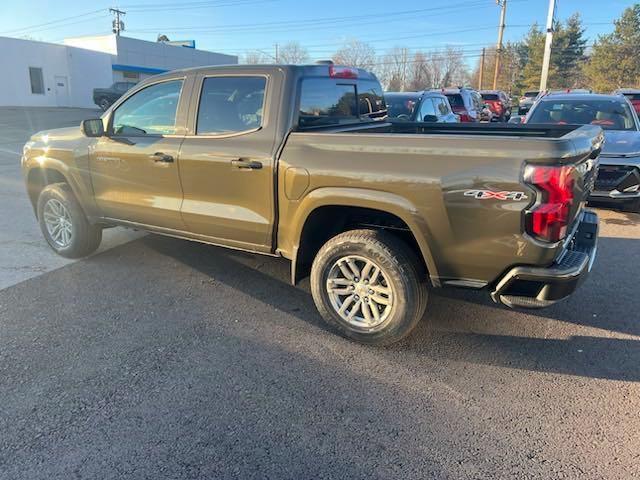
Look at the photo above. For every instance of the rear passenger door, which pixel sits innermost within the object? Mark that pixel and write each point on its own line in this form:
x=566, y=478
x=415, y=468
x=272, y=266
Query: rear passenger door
x=227, y=160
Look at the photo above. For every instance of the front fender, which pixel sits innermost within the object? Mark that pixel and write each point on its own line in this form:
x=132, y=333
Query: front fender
x=290, y=231
x=72, y=166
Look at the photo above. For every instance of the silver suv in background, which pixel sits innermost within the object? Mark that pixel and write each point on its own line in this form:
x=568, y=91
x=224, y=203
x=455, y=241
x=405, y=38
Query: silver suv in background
x=526, y=101
x=467, y=104
x=419, y=107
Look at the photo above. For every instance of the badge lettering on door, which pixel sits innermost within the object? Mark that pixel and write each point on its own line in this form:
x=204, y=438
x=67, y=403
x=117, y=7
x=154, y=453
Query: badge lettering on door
x=489, y=194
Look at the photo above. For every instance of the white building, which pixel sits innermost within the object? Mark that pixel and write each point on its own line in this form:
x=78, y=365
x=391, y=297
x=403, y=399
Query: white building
x=49, y=74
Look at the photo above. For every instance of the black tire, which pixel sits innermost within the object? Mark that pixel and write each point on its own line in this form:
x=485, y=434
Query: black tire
x=401, y=269
x=104, y=104
x=633, y=206
x=85, y=238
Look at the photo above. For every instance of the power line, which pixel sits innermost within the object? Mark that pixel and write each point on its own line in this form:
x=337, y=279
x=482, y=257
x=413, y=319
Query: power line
x=358, y=20
x=60, y=20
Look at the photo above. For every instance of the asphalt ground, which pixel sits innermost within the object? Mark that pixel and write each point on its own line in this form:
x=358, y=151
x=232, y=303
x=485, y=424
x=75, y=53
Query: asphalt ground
x=165, y=359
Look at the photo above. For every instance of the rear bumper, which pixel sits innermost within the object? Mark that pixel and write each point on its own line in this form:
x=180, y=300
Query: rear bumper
x=539, y=287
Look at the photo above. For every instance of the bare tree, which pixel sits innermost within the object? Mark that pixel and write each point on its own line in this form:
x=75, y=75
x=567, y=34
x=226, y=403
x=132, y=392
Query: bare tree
x=256, y=57
x=356, y=54
x=420, y=77
x=293, y=53
x=394, y=69
x=447, y=67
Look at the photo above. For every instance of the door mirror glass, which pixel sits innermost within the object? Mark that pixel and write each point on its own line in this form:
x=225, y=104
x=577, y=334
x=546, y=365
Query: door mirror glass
x=92, y=127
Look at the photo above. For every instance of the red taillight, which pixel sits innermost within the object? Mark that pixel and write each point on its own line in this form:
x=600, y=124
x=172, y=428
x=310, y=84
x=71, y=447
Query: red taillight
x=550, y=218
x=342, y=72
x=464, y=116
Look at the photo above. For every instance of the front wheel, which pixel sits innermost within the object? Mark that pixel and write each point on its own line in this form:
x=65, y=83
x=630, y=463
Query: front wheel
x=366, y=284
x=63, y=223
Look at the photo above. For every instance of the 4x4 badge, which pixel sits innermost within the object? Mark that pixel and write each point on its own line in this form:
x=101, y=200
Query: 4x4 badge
x=488, y=194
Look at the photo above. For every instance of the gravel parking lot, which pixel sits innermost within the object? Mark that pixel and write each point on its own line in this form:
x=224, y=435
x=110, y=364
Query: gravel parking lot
x=160, y=358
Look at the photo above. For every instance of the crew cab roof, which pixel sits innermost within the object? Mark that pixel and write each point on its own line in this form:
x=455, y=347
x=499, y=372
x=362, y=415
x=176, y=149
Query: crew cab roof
x=316, y=70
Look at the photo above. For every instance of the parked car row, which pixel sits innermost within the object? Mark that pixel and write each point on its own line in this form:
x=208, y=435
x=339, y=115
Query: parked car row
x=449, y=105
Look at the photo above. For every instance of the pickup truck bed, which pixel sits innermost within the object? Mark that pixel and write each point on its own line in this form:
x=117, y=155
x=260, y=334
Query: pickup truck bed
x=300, y=162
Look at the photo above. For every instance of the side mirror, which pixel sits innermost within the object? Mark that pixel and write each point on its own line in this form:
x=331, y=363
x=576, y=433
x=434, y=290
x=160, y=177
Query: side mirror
x=92, y=127
x=430, y=118
x=516, y=120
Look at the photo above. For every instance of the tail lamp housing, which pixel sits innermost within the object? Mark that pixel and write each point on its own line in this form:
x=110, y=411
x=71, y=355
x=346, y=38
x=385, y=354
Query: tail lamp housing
x=464, y=116
x=343, y=72
x=550, y=217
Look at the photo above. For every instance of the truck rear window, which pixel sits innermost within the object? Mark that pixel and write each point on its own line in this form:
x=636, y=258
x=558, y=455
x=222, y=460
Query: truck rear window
x=327, y=101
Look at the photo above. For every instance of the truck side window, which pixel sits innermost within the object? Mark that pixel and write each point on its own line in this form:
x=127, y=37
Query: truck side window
x=231, y=105
x=151, y=111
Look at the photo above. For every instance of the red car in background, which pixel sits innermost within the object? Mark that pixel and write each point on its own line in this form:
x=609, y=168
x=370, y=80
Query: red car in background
x=633, y=95
x=499, y=103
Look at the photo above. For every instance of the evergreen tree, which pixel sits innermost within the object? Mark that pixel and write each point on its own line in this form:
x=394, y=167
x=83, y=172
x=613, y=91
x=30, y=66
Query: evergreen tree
x=532, y=51
x=568, y=54
x=615, y=62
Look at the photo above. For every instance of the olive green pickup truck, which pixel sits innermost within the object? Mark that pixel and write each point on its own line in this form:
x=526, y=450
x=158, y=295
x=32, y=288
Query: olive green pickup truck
x=300, y=162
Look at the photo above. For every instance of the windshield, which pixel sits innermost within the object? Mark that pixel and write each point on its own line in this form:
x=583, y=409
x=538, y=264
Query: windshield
x=400, y=105
x=609, y=114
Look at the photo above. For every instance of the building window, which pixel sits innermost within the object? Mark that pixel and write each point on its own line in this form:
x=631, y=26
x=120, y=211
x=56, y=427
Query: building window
x=37, y=82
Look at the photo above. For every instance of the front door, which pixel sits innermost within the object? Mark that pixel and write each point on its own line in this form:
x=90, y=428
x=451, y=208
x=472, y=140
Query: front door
x=134, y=168
x=227, y=162
x=62, y=91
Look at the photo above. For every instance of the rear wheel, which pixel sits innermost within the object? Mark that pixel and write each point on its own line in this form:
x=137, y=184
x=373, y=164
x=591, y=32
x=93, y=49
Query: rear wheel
x=63, y=223
x=366, y=284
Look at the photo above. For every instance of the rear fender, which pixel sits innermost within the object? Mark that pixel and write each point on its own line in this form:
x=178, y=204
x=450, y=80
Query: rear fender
x=289, y=237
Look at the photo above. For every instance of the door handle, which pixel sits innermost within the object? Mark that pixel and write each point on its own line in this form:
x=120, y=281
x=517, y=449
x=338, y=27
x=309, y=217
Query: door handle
x=246, y=164
x=160, y=157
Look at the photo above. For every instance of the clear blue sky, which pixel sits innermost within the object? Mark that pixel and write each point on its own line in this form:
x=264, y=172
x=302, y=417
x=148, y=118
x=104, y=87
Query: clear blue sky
x=235, y=26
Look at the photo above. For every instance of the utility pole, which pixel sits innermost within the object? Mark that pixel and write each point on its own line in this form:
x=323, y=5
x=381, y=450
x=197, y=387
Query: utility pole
x=481, y=75
x=118, y=25
x=503, y=15
x=276, y=57
x=404, y=69
x=547, y=46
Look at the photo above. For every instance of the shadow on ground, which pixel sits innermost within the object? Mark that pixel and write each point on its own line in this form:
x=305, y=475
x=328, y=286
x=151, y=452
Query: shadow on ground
x=452, y=315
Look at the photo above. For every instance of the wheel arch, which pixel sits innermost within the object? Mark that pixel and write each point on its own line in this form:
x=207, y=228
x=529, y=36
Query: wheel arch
x=337, y=208
x=48, y=172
